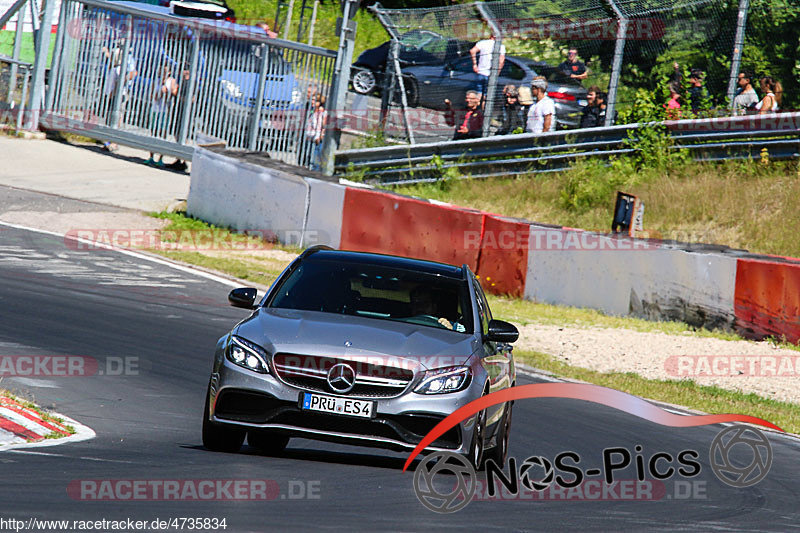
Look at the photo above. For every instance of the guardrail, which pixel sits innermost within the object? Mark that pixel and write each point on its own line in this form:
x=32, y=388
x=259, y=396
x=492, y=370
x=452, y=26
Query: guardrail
x=712, y=139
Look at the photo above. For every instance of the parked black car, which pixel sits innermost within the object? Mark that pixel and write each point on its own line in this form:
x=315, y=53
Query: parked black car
x=417, y=47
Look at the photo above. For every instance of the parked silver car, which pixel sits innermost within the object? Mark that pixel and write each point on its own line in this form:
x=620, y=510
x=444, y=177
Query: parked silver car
x=362, y=349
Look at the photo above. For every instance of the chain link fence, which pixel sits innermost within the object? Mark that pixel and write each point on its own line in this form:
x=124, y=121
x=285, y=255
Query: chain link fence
x=630, y=50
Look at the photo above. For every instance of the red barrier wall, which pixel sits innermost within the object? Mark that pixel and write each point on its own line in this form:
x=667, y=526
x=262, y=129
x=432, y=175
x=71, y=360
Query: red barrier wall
x=385, y=223
x=767, y=299
x=503, y=261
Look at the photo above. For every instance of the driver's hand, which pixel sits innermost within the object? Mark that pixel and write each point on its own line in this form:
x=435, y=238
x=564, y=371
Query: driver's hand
x=446, y=323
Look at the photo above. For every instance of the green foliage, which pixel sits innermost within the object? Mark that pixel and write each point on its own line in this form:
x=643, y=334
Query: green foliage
x=589, y=184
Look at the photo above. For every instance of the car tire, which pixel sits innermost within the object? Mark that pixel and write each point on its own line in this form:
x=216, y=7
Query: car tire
x=218, y=437
x=364, y=81
x=266, y=441
x=500, y=451
x=476, y=447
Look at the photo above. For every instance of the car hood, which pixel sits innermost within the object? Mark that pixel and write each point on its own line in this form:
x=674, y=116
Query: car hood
x=328, y=335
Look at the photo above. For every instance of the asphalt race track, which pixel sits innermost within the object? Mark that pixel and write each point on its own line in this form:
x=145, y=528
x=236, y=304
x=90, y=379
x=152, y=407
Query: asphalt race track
x=106, y=305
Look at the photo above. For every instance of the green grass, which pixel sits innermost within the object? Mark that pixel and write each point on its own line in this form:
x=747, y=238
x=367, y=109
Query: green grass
x=704, y=398
x=27, y=53
x=47, y=417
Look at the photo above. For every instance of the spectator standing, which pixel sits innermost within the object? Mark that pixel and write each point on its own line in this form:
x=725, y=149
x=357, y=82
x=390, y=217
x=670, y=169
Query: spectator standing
x=163, y=98
x=472, y=125
x=590, y=117
x=773, y=92
x=600, y=100
x=315, y=130
x=541, y=116
x=673, y=107
x=696, y=90
x=746, y=97
x=482, y=61
x=184, y=102
x=117, y=62
x=573, y=68
x=513, y=111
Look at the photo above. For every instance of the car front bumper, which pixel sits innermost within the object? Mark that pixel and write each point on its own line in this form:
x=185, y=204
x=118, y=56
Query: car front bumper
x=249, y=400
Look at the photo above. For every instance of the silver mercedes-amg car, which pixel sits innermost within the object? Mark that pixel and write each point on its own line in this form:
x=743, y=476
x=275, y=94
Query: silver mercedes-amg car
x=363, y=349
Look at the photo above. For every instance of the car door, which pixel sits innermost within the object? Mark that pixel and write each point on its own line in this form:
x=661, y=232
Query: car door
x=496, y=358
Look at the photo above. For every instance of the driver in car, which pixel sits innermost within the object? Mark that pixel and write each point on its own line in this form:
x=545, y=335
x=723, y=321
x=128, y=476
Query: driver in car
x=422, y=304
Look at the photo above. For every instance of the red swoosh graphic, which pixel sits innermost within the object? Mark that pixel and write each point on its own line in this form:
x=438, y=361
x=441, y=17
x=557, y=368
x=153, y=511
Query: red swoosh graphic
x=580, y=391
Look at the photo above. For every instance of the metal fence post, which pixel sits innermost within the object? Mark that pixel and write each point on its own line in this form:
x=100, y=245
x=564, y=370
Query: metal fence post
x=122, y=78
x=188, y=105
x=39, y=66
x=12, y=82
x=491, y=89
x=388, y=89
x=16, y=6
x=619, y=52
x=252, y=135
x=393, y=68
x=55, y=67
x=340, y=81
x=738, y=44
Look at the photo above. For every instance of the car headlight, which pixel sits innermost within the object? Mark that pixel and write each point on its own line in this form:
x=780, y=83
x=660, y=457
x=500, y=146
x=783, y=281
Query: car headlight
x=296, y=95
x=444, y=380
x=231, y=88
x=247, y=355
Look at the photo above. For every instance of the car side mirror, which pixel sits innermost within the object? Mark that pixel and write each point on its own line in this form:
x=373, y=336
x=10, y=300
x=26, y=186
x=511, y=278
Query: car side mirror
x=244, y=297
x=501, y=331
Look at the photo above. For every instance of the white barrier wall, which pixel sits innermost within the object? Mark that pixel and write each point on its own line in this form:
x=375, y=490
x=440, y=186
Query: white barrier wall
x=232, y=193
x=654, y=283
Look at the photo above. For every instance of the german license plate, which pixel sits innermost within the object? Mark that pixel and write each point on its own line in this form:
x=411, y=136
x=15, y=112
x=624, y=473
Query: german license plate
x=337, y=406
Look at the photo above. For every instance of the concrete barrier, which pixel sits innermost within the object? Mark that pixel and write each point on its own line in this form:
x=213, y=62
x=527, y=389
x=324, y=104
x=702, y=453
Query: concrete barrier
x=627, y=277
x=704, y=286
x=268, y=197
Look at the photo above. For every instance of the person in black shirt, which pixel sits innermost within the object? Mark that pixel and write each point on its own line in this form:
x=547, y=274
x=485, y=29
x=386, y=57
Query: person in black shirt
x=696, y=91
x=572, y=67
x=590, y=115
x=514, y=115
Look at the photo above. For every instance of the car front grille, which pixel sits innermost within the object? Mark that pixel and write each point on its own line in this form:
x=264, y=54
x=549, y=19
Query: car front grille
x=310, y=372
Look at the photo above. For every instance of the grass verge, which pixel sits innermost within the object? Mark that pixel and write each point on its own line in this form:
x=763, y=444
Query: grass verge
x=708, y=399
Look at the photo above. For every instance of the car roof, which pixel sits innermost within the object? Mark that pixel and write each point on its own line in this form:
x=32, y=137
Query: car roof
x=392, y=261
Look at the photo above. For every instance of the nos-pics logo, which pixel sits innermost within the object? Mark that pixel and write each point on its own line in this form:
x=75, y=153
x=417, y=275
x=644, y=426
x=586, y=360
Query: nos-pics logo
x=446, y=482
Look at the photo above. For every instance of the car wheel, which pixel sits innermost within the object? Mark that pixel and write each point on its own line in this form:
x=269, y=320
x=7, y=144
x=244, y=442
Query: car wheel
x=500, y=451
x=475, y=454
x=266, y=441
x=218, y=437
x=364, y=81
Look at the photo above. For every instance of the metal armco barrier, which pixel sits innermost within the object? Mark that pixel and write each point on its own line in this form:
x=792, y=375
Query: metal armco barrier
x=151, y=80
x=712, y=139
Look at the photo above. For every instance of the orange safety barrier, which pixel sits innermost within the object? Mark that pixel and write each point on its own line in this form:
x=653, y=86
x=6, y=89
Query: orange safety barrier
x=503, y=261
x=767, y=299
x=385, y=223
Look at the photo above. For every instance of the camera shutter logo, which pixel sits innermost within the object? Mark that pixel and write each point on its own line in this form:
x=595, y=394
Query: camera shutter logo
x=525, y=473
x=464, y=479
x=723, y=457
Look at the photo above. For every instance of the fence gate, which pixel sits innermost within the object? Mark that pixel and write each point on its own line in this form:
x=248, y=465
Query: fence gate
x=156, y=82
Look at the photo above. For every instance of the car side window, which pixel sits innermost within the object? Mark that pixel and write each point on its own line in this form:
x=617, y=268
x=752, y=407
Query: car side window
x=463, y=65
x=512, y=70
x=484, y=313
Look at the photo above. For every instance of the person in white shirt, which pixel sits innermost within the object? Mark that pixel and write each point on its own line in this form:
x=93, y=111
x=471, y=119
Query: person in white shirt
x=482, y=61
x=541, y=116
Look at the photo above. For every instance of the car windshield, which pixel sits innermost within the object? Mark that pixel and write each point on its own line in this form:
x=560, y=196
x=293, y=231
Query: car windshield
x=378, y=292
